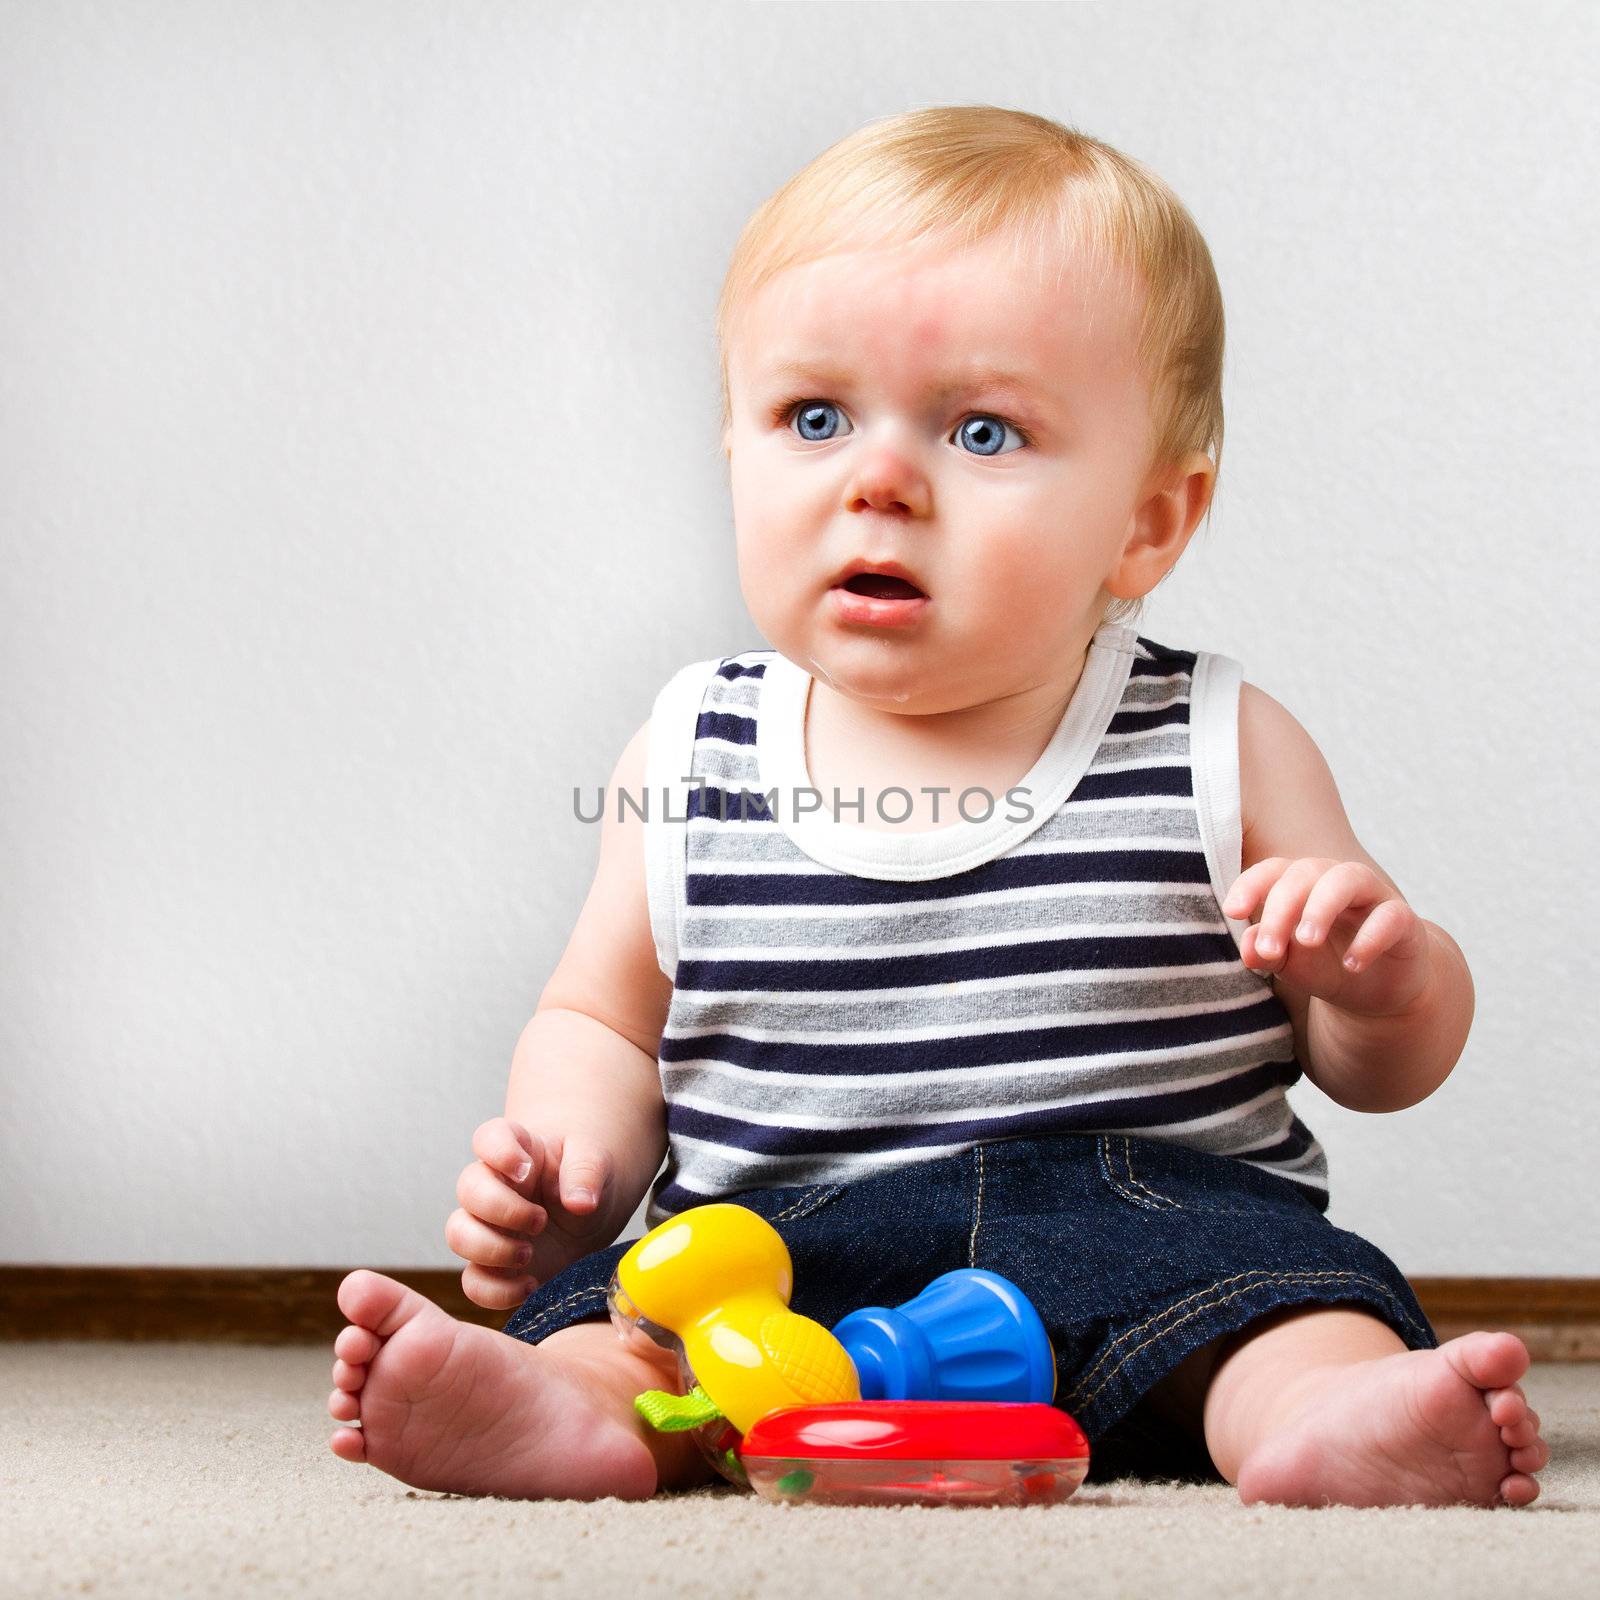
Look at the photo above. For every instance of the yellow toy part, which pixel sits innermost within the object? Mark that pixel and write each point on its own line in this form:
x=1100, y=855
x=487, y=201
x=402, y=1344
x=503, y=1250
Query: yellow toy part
x=719, y=1278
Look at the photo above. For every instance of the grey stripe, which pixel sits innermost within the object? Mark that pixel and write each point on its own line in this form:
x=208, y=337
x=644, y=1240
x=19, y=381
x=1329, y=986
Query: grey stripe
x=1056, y=912
x=1167, y=743
x=1121, y=819
x=1146, y=691
x=724, y=764
x=732, y=694
x=868, y=1012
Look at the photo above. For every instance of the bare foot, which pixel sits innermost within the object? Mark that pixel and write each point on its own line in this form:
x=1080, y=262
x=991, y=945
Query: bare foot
x=1422, y=1427
x=444, y=1404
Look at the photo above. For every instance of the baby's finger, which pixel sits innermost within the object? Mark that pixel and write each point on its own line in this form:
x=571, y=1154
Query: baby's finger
x=586, y=1170
x=507, y=1147
x=490, y=1197
x=1250, y=952
x=1251, y=884
x=1282, y=908
x=495, y=1291
x=548, y=1190
x=1345, y=885
x=1383, y=928
x=488, y=1247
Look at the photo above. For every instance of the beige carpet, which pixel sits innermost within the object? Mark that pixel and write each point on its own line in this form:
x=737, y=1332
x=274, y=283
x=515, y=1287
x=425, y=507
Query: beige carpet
x=157, y=1470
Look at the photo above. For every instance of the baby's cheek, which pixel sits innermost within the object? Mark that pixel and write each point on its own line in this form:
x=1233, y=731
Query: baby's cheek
x=1015, y=585
x=776, y=592
x=770, y=560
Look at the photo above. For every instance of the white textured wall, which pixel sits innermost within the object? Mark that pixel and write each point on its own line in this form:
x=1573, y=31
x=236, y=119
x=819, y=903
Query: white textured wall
x=359, y=487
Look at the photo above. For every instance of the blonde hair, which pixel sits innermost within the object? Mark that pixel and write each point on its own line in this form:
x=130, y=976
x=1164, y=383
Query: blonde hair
x=961, y=173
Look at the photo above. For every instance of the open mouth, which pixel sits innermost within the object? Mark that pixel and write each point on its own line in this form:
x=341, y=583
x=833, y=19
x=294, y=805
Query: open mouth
x=880, y=586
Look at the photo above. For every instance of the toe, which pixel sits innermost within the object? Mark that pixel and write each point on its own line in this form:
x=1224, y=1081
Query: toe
x=1507, y=1407
x=377, y=1303
x=357, y=1346
x=348, y=1377
x=1518, y=1490
x=348, y=1445
x=343, y=1406
x=1531, y=1457
x=1487, y=1360
x=1519, y=1434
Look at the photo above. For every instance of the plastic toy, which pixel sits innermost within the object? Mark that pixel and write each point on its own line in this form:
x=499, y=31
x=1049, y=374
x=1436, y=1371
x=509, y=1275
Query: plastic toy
x=970, y=1335
x=917, y=1452
x=713, y=1285
x=716, y=1281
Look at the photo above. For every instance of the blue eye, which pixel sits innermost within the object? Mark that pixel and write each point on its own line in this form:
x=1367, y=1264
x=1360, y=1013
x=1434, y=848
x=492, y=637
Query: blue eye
x=987, y=433
x=814, y=414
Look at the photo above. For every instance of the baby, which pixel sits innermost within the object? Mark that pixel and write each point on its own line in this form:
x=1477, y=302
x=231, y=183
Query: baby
x=972, y=410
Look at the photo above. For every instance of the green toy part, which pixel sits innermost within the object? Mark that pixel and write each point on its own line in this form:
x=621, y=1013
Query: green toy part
x=676, y=1413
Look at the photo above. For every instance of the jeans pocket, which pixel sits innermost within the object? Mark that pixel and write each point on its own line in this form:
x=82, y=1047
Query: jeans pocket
x=1162, y=1175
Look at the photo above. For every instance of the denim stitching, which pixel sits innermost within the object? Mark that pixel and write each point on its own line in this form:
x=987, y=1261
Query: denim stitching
x=1127, y=1156
x=1161, y=1201
x=1223, y=1284
x=1103, y=1146
x=1155, y=1338
x=1200, y=1294
x=549, y=1311
x=783, y=1215
x=823, y=1192
x=977, y=1220
x=1265, y=1277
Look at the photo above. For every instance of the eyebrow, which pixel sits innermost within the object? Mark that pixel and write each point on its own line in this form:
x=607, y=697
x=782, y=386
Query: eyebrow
x=985, y=377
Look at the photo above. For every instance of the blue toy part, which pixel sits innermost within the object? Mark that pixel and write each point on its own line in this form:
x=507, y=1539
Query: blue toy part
x=970, y=1335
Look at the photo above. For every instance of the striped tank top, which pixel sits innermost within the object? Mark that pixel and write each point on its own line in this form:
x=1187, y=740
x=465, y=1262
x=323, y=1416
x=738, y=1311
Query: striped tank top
x=847, y=999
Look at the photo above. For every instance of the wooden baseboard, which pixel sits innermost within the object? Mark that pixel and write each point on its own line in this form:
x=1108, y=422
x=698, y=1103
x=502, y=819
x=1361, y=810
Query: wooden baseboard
x=223, y=1305
x=1557, y=1318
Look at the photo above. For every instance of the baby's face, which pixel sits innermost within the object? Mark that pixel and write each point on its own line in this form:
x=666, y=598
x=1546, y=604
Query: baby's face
x=1006, y=503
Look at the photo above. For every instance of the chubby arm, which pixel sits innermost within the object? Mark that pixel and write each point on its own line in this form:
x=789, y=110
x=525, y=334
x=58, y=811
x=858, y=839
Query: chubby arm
x=1295, y=829
x=585, y=1066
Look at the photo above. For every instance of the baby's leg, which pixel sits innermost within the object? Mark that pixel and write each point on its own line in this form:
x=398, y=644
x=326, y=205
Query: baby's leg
x=1316, y=1405
x=449, y=1405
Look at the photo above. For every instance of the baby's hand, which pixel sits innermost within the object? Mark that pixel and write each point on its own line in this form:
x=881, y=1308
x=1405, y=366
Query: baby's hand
x=1323, y=923
x=530, y=1205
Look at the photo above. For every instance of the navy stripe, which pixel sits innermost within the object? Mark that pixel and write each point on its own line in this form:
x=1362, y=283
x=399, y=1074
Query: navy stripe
x=1005, y=872
x=1168, y=659
x=1140, y=720
x=1054, y=1043
x=731, y=669
x=1135, y=782
x=725, y=725
x=1069, y=956
x=711, y=803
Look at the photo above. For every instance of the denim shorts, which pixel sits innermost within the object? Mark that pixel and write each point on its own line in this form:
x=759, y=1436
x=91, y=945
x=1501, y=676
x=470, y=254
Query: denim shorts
x=1134, y=1251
